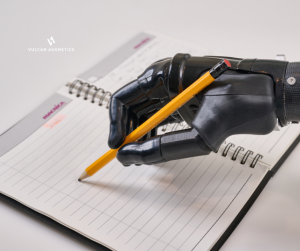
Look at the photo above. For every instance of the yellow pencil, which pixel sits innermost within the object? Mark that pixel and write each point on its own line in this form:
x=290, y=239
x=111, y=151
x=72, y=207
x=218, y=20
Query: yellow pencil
x=159, y=116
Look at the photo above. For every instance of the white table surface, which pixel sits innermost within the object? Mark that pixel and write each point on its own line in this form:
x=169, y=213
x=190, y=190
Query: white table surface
x=259, y=29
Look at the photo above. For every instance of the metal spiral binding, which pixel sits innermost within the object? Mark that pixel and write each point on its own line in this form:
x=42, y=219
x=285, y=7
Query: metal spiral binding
x=245, y=157
x=236, y=152
x=95, y=94
x=247, y=154
x=103, y=97
x=89, y=87
x=225, y=152
x=256, y=158
x=73, y=85
x=80, y=89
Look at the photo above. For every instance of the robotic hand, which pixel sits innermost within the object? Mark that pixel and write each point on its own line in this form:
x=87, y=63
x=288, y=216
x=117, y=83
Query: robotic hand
x=250, y=98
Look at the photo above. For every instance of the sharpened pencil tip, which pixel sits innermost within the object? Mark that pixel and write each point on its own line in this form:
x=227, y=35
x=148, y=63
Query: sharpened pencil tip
x=83, y=176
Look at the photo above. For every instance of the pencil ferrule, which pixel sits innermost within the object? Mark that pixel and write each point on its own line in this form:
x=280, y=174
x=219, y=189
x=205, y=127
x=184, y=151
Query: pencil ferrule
x=219, y=68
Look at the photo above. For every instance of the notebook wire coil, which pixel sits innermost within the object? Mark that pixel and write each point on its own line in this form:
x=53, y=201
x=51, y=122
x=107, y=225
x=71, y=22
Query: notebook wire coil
x=225, y=152
x=236, y=152
x=245, y=156
x=256, y=158
x=89, y=88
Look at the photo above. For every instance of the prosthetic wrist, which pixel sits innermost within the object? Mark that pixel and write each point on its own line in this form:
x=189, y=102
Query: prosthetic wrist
x=285, y=76
x=291, y=92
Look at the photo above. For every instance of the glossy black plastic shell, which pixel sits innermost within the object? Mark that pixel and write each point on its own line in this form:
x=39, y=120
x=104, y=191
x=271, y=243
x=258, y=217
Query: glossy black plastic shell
x=196, y=66
x=119, y=115
x=147, y=152
x=292, y=93
x=152, y=80
x=183, y=144
x=276, y=69
x=236, y=104
x=176, y=73
x=170, y=146
x=246, y=64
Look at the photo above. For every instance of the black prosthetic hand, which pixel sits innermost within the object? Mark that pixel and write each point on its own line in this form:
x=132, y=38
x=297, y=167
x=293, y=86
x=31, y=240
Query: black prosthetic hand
x=248, y=99
x=134, y=103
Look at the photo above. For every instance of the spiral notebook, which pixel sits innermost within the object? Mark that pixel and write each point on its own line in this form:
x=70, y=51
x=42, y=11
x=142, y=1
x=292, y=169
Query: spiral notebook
x=188, y=204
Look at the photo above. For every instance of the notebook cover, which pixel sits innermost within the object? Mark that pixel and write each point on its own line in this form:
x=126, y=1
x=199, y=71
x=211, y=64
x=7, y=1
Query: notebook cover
x=52, y=223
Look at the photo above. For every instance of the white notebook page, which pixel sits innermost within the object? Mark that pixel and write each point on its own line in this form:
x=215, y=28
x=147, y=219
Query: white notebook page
x=179, y=205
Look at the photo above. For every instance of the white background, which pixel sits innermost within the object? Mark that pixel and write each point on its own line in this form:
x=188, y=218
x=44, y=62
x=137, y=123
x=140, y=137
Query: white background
x=253, y=29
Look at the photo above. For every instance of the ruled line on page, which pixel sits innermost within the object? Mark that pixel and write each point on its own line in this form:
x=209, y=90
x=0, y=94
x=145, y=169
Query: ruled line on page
x=81, y=184
x=148, y=194
x=158, y=183
x=172, y=197
x=57, y=173
x=62, y=168
x=146, y=169
x=200, y=207
x=224, y=210
x=48, y=150
x=157, y=199
x=126, y=202
x=112, y=190
x=267, y=139
x=279, y=139
x=59, y=131
x=90, y=200
x=103, y=176
x=184, y=197
x=1, y=164
x=65, y=111
x=214, y=205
